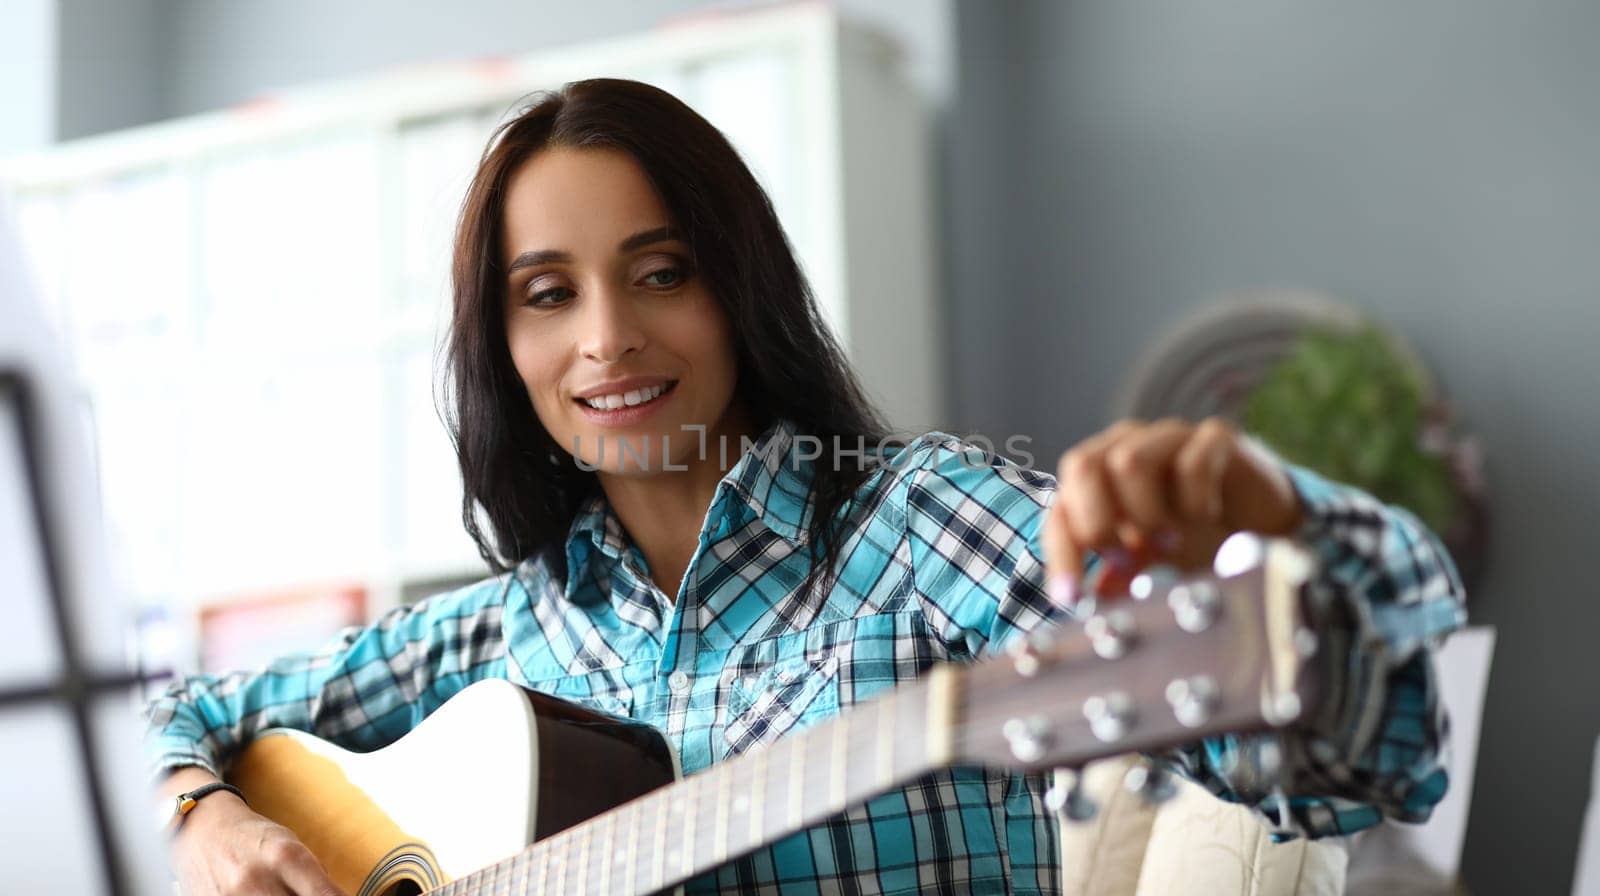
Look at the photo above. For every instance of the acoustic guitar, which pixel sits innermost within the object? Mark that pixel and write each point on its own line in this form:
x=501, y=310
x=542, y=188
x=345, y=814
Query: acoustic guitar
x=599, y=800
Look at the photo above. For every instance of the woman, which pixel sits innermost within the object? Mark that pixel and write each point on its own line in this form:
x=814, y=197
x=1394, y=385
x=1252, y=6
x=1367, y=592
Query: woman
x=641, y=381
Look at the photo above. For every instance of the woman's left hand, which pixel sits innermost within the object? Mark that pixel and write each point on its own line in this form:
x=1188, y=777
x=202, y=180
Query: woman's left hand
x=1169, y=491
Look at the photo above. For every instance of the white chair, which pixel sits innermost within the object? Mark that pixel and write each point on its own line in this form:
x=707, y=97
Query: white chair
x=1196, y=843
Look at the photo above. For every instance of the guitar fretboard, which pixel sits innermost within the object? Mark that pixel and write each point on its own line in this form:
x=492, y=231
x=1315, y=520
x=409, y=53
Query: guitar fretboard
x=737, y=806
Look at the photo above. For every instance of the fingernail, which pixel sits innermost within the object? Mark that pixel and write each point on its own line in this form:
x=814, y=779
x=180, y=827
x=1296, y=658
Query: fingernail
x=1063, y=590
x=1169, y=541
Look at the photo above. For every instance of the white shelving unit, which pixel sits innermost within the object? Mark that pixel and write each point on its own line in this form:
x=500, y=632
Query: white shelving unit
x=256, y=296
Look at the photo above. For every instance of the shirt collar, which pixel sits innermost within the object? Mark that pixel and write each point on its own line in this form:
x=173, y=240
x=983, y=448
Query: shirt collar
x=773, y=478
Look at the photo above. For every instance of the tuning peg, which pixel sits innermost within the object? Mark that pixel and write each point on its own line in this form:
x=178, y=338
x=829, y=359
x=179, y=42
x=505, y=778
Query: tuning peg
x=1151, y=782
x=1305, y=642
x=1027, y=737
x=1066, y=797
x=1193, y=699
x=1240, y=552
x=1281, y=708
x=1271, y=767
x=1111, y=633
x=1029, y=651
x=1024, y=657
x=1110, y=715
x=1195, y=604
x=1154, y=581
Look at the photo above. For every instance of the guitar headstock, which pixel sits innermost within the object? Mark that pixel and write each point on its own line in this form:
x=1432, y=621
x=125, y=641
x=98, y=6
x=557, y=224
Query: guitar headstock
x=1176, y=661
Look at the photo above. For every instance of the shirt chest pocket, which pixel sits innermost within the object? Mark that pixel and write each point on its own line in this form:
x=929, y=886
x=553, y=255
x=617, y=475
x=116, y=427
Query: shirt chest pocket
x=792, y=692
x=772, y=687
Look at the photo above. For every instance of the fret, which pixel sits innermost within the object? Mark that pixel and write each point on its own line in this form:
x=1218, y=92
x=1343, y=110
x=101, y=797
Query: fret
x=840, y=772
x=719, y=845
x=632, y=851
x=583, y=857
x=661, y=847
x=686, y=852
x=544, y=869
x=558, y=865
x=836, y=762
x=797, y=773
x=758, y=797
x=885, y=708
x=606, y=851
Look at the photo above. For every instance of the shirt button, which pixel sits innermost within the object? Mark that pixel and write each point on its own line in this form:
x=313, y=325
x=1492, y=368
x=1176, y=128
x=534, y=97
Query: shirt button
x=678, y=681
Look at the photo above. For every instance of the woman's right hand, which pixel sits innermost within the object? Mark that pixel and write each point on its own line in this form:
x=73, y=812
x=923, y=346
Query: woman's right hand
x=223, y=848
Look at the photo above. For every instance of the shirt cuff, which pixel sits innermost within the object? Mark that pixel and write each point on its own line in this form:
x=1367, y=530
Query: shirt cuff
x=1353, y=658
x=1369, y=607
x=163, y=759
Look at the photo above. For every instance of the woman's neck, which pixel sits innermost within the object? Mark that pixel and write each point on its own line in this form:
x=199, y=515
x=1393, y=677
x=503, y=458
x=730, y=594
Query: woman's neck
x=663, y=512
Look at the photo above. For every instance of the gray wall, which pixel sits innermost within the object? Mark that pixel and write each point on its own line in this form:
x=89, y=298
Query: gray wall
x=111, y=65
x=1435, y=161
x=71, y=68
x=1107, y=166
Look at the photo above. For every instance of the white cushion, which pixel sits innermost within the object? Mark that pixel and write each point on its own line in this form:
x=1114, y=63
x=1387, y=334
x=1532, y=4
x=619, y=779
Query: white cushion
x=1194, y=843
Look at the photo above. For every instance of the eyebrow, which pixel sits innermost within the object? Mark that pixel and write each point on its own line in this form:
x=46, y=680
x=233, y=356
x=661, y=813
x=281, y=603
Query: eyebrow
x=639, y=240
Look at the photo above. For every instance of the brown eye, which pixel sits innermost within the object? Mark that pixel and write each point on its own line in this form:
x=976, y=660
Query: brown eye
x=673, y=275
x=550, y=296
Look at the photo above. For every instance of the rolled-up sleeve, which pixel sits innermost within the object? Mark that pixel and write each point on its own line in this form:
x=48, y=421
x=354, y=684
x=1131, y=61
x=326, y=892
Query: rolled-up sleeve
x=362, y=690
x=1373, y=748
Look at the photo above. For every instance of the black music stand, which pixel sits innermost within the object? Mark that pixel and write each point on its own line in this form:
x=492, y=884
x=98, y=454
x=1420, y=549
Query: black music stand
x=75, y=686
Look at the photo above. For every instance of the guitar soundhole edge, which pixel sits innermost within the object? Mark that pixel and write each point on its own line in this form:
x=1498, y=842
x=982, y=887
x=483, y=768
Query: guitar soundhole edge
x=408, y=870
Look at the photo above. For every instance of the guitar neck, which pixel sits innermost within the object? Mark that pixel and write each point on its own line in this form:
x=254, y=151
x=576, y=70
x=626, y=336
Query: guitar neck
x=737, y=806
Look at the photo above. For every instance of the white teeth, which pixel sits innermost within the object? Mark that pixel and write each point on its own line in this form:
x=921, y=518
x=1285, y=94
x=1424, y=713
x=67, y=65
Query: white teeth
x=635, y=397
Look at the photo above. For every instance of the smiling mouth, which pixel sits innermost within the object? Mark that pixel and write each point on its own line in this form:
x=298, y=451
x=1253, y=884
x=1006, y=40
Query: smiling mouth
x=672, y=385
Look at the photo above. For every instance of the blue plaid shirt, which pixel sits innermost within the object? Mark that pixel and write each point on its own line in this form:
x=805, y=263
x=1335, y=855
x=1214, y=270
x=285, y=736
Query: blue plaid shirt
x=942, y=563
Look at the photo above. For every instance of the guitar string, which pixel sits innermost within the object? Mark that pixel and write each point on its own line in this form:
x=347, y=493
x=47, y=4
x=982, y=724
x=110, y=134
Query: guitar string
x=740, y=780
x=818, y=797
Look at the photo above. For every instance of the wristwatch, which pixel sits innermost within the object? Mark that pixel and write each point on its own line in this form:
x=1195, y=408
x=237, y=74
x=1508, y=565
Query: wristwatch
x=171, y=816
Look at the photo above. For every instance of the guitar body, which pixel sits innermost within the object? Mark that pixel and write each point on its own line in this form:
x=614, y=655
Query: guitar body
x=494, y=769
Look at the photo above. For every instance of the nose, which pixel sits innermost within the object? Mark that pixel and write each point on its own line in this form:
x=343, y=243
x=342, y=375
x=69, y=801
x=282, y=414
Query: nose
x=609, y=327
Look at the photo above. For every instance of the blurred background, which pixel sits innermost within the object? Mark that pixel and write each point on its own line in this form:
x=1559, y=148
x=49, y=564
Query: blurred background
x=238, y=215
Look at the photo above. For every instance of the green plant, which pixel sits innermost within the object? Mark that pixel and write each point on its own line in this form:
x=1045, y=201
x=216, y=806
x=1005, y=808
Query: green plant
x=1346, y=404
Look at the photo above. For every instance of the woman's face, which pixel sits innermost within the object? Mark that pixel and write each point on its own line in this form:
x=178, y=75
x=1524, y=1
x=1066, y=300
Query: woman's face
x=601, y=304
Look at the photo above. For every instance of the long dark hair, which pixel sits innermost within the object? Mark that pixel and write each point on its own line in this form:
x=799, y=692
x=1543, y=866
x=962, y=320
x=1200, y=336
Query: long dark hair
x=521, y=491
